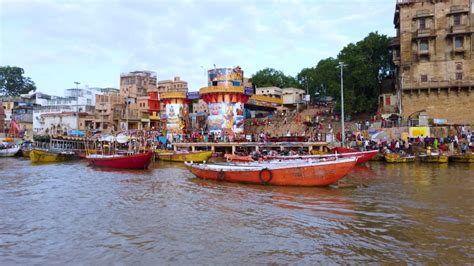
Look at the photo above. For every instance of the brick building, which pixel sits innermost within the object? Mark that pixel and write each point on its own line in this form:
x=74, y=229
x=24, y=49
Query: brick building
x=433, y=52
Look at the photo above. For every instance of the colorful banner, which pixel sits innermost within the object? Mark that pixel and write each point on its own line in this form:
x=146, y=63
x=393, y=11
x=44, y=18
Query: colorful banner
x=225, y=77
x=419, y=132
x=226, y=116
x=174, y=115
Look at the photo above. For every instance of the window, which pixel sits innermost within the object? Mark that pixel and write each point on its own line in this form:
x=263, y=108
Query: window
x=424, y=78
x=422, y=23
x=457, y=19
x=424, y=45
x=458, y=42
x=458, y=66
x=459, y=76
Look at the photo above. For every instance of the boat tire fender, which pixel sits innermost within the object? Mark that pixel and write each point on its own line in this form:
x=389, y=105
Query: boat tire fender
x=270, y=176
x=220, y=175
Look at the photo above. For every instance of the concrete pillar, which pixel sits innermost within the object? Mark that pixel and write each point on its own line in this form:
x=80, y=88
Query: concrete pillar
x=193, y=148
x=233, y=149
x=213, y=148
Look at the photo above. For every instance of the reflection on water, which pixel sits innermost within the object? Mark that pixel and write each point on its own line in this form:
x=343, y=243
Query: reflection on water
x=71, y=213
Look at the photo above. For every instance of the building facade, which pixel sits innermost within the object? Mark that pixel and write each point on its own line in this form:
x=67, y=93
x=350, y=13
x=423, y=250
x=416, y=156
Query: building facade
x=433, y=54
x=109, y=109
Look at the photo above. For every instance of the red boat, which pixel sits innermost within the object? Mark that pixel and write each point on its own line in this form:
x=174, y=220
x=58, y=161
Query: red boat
x=136, y=161
x=282, y=173
x=362, y=156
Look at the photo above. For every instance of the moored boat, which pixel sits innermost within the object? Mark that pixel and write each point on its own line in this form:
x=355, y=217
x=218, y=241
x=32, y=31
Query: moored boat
x=434, y=158
x=281, y=173
x=462, y=158
x=9, y=151
x=50, y=156
x=135, y=161
x=238, y=158
x=398, y=158
x=362, y=156
x=196, y=156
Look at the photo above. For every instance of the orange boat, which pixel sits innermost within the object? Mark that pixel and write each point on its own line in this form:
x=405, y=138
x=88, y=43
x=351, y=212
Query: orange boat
x=238, y=158
x=322, y=172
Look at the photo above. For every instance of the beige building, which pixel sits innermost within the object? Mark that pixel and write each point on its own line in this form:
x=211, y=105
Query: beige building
x=433, y=52
x=137, y=83
x=109, y=109
x=273, y=92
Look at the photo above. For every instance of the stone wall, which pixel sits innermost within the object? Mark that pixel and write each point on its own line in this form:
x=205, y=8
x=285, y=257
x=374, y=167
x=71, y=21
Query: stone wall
x=456, y=107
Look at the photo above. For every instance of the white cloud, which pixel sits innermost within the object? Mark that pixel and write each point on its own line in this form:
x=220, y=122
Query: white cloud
x=96, y=40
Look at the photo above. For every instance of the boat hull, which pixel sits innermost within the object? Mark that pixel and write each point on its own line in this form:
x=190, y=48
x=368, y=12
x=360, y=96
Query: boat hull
x=40, y=156
x=321, y=174
x=396, y=158
x=185, y=157
x=434, y=158
x=465, y=158
x=10, y=152
x=362, y=156
x=138, y=161
x=25, y=153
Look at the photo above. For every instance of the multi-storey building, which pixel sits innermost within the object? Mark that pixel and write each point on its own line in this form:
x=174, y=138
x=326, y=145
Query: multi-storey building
x=137, y=83
x=109, y=110
x=134, y=87
x=433, y=54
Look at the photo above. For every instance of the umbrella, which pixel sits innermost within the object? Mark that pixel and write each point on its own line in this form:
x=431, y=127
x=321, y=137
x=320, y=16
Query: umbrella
x=380, y=136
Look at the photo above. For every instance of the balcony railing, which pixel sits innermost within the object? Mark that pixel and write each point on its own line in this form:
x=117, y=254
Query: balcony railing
x=409, y=85
x=423, y=33
x=459, y=29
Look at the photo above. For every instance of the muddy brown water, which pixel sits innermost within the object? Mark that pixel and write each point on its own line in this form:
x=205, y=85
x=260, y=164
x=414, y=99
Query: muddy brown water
x=69, y=213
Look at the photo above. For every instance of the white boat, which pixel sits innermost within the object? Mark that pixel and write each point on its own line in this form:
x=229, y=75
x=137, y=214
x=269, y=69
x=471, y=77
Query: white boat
x=8, y=151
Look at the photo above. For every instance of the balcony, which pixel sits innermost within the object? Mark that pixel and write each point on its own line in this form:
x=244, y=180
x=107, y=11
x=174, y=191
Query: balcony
x=458, y=10
x=459, y=30
x=423, y=14
x=411, y=85
x=424, y=33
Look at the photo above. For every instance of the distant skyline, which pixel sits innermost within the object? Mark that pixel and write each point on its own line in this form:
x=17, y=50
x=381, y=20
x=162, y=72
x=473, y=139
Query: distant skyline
x=92, y=42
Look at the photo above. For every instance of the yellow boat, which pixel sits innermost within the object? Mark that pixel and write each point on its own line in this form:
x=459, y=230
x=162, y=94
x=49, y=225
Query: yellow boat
x=439, y=158
x=25, y=153
x=462, y=158
x=197, y=156
x=397, y=158
x=44, y=156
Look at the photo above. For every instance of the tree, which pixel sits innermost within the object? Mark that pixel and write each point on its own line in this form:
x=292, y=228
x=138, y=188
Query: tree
x=368, y=63
x=270, y=77
x=13, y=83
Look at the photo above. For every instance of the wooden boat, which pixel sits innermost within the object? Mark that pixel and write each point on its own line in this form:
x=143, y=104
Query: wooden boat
x=434, y=158
x=362, y=156
x=25, y=153
x=197, y=156
x=136, y=161
x=281, y=173
x=50, y=156
x=397, y=158
x=462, y=158
x=9, y=152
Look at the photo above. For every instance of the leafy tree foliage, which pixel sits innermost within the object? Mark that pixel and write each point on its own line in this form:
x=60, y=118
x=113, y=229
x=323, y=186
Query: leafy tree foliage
x=13, y=83
x=367, y=62
x=270, y=77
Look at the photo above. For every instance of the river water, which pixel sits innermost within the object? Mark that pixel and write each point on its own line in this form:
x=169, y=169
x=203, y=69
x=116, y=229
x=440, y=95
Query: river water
x=69, y=213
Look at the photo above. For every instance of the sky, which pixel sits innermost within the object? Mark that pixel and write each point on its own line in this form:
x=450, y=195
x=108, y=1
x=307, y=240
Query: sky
x=59, y=42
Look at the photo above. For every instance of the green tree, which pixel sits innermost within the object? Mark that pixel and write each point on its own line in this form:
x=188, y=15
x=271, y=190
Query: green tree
x=270, y=77
x=368, y=63
x=13, y=83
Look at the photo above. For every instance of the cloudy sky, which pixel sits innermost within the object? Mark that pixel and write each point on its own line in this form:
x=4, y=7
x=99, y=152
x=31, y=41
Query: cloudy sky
x=59, y=42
